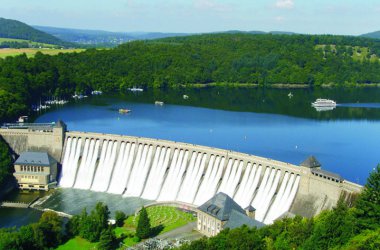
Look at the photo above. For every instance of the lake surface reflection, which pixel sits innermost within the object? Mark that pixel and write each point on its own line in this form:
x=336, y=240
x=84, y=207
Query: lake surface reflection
x=263, y=122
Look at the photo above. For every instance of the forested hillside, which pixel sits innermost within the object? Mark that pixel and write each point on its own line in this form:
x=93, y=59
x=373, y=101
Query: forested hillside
x=18, y=30
x=375, y=34
x=262, y=60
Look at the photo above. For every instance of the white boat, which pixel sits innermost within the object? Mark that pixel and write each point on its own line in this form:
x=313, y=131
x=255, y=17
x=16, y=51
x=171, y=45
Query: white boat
x=134, y=89
x=323, y=103
x=96, y=92
x=159, y=103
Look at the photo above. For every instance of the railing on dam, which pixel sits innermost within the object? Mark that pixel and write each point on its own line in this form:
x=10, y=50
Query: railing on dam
x=27, y=125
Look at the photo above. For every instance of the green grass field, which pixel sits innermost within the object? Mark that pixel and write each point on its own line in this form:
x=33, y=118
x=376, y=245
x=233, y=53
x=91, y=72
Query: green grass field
x=31, y=52
x=77, y=243
x=44, y=45
x=169, y=217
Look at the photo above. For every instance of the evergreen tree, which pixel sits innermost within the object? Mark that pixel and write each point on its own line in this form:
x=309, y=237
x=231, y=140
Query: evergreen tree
x=368, y=204
x=143, y=226
x=107, y=239
x=120, y=218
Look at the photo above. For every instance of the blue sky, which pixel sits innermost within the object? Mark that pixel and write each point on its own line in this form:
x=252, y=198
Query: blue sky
x=347, y=17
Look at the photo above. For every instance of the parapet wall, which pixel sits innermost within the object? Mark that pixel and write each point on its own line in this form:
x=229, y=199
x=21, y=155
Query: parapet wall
x=315, y=193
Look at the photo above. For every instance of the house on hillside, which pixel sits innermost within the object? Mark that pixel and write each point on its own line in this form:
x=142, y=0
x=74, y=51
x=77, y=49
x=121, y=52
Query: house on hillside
x=220, y=212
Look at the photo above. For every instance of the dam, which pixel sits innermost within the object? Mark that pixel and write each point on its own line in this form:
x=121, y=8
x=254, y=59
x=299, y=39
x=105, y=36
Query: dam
x=168, y=171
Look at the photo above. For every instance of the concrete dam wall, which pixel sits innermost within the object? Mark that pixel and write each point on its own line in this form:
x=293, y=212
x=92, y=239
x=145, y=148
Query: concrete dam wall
x=167, y=171
x=171, y=171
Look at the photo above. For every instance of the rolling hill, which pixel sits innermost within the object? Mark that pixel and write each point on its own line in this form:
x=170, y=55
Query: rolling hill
x=111, y=39
x=101, y=37
x=375, y=34
x=18, y=30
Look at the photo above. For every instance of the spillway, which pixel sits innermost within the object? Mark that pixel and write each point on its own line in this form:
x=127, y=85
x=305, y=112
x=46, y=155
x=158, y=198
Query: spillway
x=166, y=171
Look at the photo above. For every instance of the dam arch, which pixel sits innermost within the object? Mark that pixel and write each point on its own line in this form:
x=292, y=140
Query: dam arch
x=199, y=171
x=168, y=171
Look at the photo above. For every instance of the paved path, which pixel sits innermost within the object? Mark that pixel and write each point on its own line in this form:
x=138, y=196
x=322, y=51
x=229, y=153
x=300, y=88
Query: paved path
x=186, y=232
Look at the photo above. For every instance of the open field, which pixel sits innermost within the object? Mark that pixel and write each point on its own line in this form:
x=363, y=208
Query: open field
x=77, y=243
x=44, y=45
x=31, y=52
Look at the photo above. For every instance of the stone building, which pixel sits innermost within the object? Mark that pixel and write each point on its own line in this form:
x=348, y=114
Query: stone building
x=36, y=171
x=220, y=212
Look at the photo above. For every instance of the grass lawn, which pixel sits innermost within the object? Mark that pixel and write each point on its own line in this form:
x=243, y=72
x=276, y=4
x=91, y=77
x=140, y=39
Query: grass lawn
x=169, y=217
x=45, y=45
x=30, y=52
x=77, y=243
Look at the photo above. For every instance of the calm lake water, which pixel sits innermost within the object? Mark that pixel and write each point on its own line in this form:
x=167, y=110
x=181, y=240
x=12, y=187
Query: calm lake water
x=263, y=122
x=16, y=217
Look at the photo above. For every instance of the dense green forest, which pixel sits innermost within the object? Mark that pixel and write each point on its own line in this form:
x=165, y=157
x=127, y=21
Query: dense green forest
x=344, y=227
x=5, y=162
x=262, y=60
x=18, y=30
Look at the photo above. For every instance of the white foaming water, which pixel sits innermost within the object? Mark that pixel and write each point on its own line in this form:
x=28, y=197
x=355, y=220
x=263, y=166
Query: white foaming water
x=160, y=173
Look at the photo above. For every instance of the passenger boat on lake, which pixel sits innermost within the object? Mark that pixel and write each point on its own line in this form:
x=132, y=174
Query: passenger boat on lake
x=323, y=103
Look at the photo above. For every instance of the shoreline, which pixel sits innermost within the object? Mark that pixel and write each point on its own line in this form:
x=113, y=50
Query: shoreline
x=276, y=85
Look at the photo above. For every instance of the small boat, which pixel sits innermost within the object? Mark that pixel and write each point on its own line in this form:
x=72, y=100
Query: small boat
x=96, y=92
x=22, y=119
x=323, y=103
x=290, y=95
x=185, y=97
x=158, y=103
x=124, y=111
x=134, y=89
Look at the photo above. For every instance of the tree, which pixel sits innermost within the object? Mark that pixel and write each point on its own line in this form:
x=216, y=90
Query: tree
x=48, y=231
x=368, y=203
x=120, y=218
x=107, y=239
x=143, y=226
x=5, y=162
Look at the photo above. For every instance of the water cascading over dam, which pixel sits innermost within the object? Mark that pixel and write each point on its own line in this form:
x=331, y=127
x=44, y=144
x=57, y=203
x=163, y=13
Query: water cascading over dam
x=165, y=171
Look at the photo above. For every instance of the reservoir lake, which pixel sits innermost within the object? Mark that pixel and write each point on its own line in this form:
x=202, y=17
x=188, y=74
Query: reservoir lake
x=262, y=122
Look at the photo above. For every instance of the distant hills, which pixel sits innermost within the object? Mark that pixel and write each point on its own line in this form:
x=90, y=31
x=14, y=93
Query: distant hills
x=101, y=37
x=67, y=37
x=18, y=30
x=375, y=34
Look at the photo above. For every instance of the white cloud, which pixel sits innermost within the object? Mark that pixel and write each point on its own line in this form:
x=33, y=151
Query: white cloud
x=285, y=4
